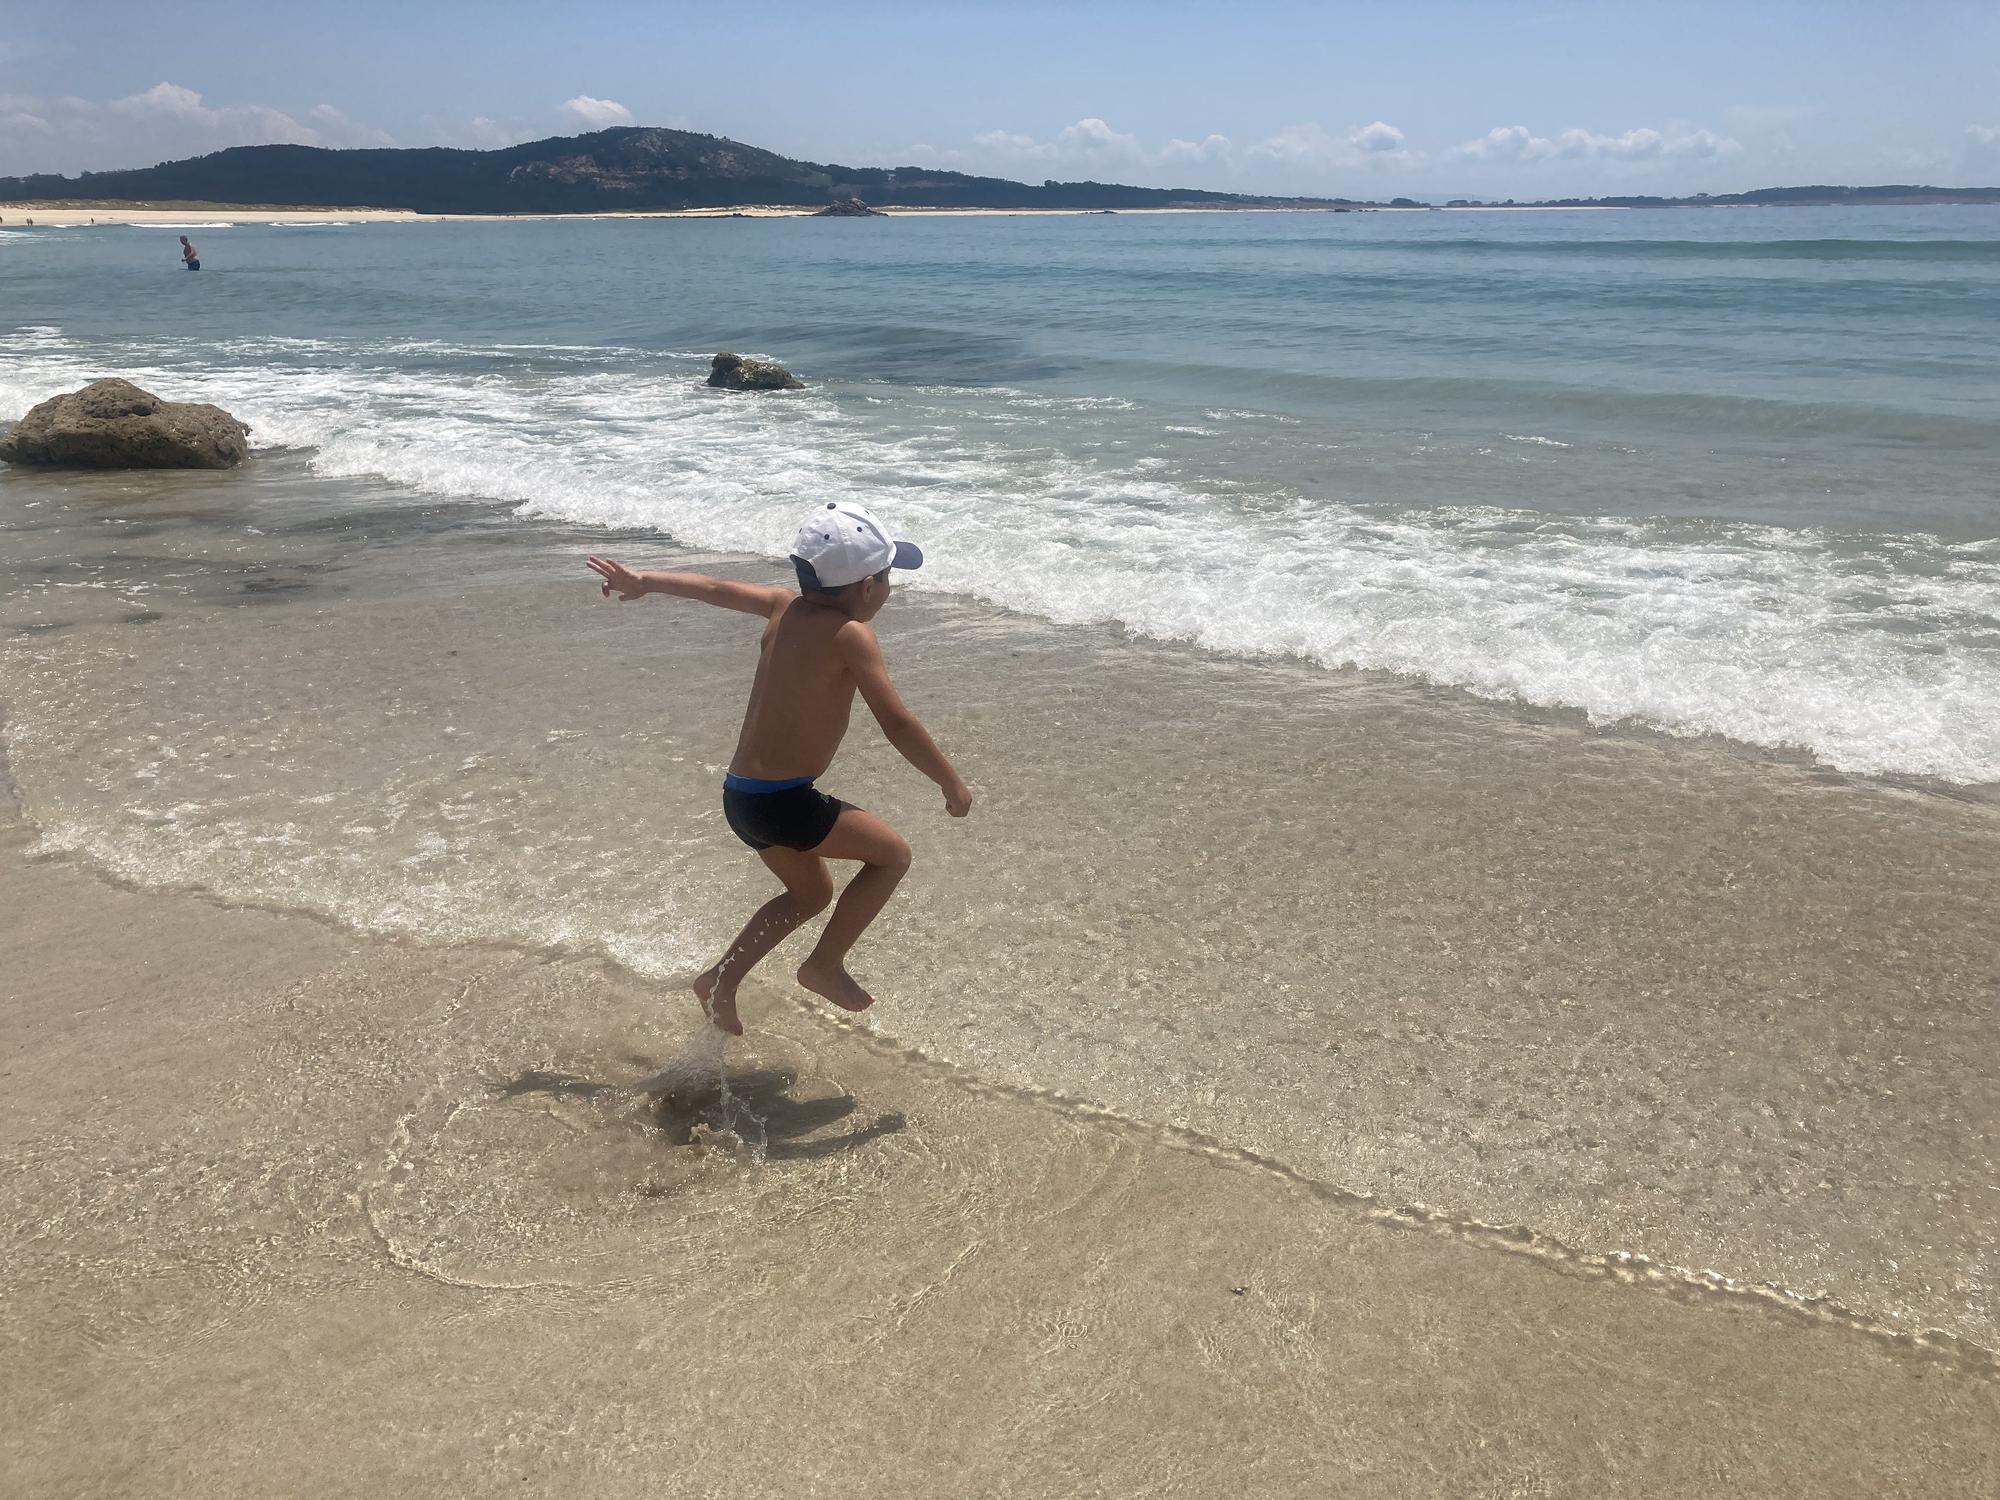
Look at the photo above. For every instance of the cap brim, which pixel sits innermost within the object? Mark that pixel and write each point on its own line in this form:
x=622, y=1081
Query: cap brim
x=908, y=555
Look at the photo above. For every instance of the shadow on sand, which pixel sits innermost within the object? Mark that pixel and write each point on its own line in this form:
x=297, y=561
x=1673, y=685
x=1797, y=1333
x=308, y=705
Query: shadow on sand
x=789, y=1124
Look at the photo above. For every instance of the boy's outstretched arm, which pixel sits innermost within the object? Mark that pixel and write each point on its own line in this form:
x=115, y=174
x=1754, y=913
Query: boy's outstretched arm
x=725, y=593
x=862, y=654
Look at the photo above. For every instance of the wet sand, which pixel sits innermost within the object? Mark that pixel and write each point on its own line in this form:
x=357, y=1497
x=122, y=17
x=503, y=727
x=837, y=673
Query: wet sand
x=286, y=1217
x=1288, y=1082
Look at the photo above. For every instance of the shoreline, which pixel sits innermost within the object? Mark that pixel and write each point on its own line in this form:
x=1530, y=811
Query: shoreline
x=1386, y=977
x=12, y=214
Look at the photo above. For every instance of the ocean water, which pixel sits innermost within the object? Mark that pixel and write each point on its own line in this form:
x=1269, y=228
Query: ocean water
x=1725, y=472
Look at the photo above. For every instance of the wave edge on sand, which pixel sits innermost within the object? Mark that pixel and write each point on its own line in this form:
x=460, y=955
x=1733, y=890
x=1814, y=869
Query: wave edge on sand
x=1619, y=1267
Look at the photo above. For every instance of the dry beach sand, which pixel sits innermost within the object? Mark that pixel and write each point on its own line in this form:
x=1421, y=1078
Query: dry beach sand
x=323, y=1175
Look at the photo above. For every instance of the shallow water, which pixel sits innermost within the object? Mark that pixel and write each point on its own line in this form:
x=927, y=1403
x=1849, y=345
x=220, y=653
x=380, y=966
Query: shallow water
x=1669, y=998
x=301, y=1211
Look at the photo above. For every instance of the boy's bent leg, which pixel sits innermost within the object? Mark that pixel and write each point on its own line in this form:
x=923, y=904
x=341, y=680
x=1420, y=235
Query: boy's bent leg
x=884, y=857
x=808, y=889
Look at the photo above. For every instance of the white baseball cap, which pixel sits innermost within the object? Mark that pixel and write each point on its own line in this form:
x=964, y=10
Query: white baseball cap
x=840, y=543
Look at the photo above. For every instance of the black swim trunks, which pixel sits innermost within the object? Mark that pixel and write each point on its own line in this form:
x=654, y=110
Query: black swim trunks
x=791, y=814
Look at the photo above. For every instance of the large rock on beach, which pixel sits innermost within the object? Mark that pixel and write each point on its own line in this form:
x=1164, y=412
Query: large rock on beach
x=732, y=372
x=849, y=208
x=112, y=424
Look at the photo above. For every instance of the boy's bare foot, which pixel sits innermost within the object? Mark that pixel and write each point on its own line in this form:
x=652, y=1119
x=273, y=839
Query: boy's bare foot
x=718, y=1006
x=834, y=982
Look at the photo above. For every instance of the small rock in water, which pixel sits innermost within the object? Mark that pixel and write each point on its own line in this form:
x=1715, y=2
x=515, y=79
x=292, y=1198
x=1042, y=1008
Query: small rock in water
x=732, y=372
x=113, y=424
x=849, y=208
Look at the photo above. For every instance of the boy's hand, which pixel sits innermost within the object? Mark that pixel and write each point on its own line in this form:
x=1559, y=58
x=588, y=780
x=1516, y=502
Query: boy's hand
x=618, y=577
x=958, y=799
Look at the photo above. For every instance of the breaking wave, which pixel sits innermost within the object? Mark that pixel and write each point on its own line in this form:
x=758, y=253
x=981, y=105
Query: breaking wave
x=1874, y=653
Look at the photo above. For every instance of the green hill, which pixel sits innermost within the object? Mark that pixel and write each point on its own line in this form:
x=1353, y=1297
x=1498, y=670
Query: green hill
x=627, y=168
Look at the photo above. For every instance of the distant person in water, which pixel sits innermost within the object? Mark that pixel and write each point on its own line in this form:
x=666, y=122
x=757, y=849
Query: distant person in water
x=818, y=650
x=190, y=257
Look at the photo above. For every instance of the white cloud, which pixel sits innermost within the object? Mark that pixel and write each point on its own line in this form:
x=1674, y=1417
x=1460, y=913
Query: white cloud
x=1006, y=142
x=1378, y=137
x=480, y=133
x=1504, y=142
x=1516, y=143
x=598, y=114
x=1092, y=137
x=1088, y=140
x=163, y=123
x=24, y=122
x=337, y=129
x=173, y=106
x=162, y=99
x=1093, y=147
x=1313, y=146
x=491, y=133
x=1209, y=149
x=32, y=130
x=1298, y=143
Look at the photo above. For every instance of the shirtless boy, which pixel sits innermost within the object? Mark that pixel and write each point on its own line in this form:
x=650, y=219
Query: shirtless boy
x=818, y=651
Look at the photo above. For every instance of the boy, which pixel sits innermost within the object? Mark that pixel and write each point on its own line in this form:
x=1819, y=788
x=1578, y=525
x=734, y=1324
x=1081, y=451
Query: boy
x=817, y=652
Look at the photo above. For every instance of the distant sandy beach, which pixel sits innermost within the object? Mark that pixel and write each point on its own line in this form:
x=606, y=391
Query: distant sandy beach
x=196, y=216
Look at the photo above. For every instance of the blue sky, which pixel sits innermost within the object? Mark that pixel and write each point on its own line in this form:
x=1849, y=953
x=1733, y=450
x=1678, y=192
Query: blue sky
x=1424, y=97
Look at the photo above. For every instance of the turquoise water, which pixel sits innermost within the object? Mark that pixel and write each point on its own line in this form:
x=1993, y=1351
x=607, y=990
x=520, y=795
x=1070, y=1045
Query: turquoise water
x=1717, y=471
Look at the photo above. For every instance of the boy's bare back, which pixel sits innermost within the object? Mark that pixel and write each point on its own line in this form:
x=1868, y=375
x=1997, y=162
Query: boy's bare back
x=817, y=650
x=802, y=696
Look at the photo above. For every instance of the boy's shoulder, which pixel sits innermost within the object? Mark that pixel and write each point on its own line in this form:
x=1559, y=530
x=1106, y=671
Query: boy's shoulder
x=812, y=628
x=839, y=644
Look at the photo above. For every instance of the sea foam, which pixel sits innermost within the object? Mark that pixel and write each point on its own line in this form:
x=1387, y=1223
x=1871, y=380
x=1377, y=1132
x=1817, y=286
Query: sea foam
x=1873, y=653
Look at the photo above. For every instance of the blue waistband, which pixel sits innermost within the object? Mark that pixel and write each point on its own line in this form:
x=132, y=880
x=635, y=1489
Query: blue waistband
x=734, y=783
